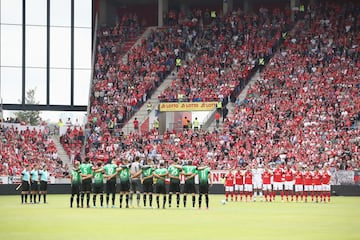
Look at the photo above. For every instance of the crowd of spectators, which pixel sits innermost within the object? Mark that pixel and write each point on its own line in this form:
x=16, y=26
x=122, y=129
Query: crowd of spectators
x=306, y=105
x=28, y=146
x=304, y=108
x=227, y=50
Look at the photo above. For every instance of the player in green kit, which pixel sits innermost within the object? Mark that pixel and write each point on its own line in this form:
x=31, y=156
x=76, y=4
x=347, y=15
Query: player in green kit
x=98, y=187
x=205, y=181
x=86, y=173
x=174, y=174
x=110, y=176
x=124, y=174
x=147, y=181
x=160, y=174
x=44, y=177
x=189, y=171
x=75, y=184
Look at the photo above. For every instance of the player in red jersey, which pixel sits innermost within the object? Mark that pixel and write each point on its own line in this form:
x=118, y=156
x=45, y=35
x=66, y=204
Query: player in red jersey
x=239, y=183
x=299, y=182
x=278, y=182
x=317, y=185
x=289, y=183
x=266, y=179
x=229, y=185
x=326, y=177
x=248, y=187
x=308, y=183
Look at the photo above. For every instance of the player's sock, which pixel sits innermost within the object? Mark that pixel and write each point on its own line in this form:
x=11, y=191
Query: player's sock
x=282, y=195
x=301, y=196
x=82, y=199
x=107, y=199
x=193, y=200
x=292, y=195
x=78, y=200
x=306, y=195
x=236, y=196
x=150, y=199
x=144, y=198
x=88, y=199
x=177, y=199
x=170, y=198
x=246, y=196
x=297, y=196
x=261, y=195
x=127, y=200
x=232, y=196
x=39, y=197
x=251, y=196
x=157, y=201
x=287, y=195
x=31, y=197
x=71, y=200
x=200, y=199
x=34, y=197
x=226, y=195
x=312, y=195
x=329, y=195
x=94, y=200
x=164, y=201
x=241, y=195
x=101, y=200
x=255, y=195
x=26, y=196
x=22, y=198
x=184, y=200
x=121, y=199
x=44, y=196
x=131, y=198
x=207, y=200
x=138, y=199
x=113, y=199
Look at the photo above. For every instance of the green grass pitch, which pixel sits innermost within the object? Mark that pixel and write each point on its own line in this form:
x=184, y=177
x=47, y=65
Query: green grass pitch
x=234, y=220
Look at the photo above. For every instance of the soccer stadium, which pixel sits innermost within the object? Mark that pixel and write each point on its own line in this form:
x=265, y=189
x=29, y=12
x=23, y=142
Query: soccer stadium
x=179, y=119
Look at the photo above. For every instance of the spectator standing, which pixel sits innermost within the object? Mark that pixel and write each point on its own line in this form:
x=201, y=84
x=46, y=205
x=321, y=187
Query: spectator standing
x=136, y=124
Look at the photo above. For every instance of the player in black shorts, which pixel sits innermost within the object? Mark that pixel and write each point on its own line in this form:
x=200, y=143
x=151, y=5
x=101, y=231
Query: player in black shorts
x=160, y=174
x=174, y=174
x=147, y=181
x=110, y=176
x=75, y=184
x=98, y=187
x=205, y=181
x=124, y=174
x=86, y=173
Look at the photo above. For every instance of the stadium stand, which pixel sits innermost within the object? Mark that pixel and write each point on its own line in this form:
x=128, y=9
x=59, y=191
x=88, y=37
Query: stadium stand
x=303, y=109
x=227, y=50
x=30, y=145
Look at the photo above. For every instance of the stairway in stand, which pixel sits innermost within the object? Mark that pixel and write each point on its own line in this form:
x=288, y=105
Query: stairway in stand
x=130, y=41
x=60, y=150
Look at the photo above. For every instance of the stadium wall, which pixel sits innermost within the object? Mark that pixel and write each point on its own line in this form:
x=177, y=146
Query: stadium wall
x=336, y=190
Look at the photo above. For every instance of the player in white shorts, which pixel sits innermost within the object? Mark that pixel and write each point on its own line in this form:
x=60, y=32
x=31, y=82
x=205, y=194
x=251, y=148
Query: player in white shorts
x=257, y=181
x=239, y=184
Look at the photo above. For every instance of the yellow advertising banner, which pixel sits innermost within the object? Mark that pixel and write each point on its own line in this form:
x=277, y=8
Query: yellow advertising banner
x=186, y=106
